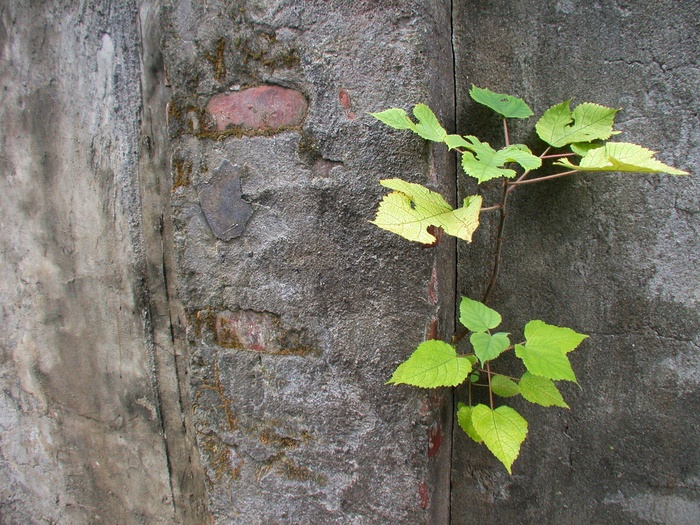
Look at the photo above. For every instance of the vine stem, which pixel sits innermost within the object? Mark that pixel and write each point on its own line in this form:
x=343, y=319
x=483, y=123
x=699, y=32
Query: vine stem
x=488, y=374
x=527, y=172
x=518, y=182
x=558, y=156
x=500, y=237
x=505, y=131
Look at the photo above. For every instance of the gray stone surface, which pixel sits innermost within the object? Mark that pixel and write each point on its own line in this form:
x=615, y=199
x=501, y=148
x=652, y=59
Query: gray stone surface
x=614, y=256
x=296, y=324
x=85, y=389
x=157, y=368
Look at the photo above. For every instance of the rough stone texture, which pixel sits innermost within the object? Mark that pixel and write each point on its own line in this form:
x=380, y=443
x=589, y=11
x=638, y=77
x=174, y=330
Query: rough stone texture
x=296, y=314
x=614, y=256
x=296, y=324
x=84, y=342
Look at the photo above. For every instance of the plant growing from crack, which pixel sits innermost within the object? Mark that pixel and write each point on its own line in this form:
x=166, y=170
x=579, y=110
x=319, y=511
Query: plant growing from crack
x=416, y=213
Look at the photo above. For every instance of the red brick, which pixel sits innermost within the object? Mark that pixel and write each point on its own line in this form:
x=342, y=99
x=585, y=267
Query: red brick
x=344, y=98
x=434, y=439
x=423, y=495
x=260, y=108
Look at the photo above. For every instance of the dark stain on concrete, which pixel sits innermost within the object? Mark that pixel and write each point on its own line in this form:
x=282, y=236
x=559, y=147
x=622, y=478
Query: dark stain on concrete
x=226, y=211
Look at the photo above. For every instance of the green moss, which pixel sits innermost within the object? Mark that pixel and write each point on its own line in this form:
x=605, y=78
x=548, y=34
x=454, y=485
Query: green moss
x=213, y=384
x=183, y=172
x=217, y=60
x=240, y=131
x=226, y=336
x=272, y=438
x=285, y=467
x=218, y=455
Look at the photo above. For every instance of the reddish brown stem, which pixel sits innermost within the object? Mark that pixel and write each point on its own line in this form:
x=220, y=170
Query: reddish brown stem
x=499, y=244
x=558, y=156
x=488, y=373
x=505, y=131
x=541, y=179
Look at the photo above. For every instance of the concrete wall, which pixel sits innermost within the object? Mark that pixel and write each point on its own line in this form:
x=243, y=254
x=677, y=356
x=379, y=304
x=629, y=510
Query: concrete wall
x=90, y=418
x=613, y=256
x=198, y=319
x=298, y=308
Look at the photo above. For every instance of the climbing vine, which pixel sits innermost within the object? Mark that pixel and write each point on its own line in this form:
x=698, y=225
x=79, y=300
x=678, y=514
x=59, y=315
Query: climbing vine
x=574, y=141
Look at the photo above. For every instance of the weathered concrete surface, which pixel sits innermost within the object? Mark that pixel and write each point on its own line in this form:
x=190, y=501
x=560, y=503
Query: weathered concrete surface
x=296, y=324
x=87, y=366
x=295, y=314
x=614, y=256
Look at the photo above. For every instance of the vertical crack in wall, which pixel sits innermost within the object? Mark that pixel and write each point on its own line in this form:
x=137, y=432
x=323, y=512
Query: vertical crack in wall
x=165, y=313
x=455, y=269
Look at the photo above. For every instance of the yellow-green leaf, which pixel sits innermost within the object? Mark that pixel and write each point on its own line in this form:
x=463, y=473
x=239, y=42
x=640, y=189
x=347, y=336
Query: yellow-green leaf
x=541, y=391
x=505, y=105
x=546, y=361
x=428, y=126
x=489, y=346
x=464, y=418
x=456, y=141
x=621, y=156
x=433, y=364
x=395, y=118
x=503, y=431
x=560, y=126
x=485, y=163
x=504, y=387
x=539, y=333
x=476, y=316
x=411, y=209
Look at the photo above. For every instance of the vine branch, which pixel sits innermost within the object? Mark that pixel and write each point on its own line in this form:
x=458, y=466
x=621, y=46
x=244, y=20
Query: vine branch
x=519, y=182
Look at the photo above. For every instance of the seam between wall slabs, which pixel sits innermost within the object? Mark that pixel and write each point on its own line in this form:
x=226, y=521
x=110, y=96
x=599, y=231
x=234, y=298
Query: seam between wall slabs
x=168, y=347
x=456, y=259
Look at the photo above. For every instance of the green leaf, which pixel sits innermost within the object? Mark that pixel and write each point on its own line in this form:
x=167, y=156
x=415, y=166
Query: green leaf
x=559, y=126
x=506, y=105
x=545, y=361
x=486, y=163
x=433, y=364
x=395, y=118
x=476, y=316
x=522, y=155
x=504, y=387
x=621, y=156
x=412, y=208
x=503, y=431
x=464, y=418
x=539, y=333
x=541, y=391
x=456, y=141
x=582, y=148
x=487, y=346
x=428, y=126
x=545, y=349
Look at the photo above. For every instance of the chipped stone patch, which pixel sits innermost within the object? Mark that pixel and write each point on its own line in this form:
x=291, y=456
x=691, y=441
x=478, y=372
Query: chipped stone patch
x=259, y=332
x=223, y=206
